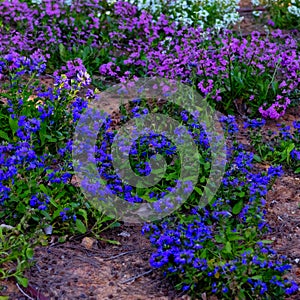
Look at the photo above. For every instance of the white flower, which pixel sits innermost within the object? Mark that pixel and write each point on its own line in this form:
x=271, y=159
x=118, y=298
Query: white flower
x=255, y=2
x=84, y=78
x=294, y=10
x=203, y=13
x=183, y=11
x=256, y=13
x=68, y=2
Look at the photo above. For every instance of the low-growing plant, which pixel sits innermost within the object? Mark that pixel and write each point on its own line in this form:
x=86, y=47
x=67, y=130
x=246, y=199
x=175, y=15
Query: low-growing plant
x=284, y=14
x=17, y=248
x=254, y=75
x=36, y=147
x=206, y=14
x=71, y=35
x=281, y=147
x=219, y=250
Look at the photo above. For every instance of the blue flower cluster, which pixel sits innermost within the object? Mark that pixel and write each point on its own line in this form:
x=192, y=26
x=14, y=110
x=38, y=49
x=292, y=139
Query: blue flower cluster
x=35, y=163
x=215, y=248
x=14, y=65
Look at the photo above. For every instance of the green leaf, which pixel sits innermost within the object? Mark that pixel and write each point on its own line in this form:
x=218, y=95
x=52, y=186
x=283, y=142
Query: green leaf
x=83, y=213
x=267, y=241
x=235, y=238
x=297, y=170
x=4, y=135
x=22, y=280
x=203, y=254
x=80, y=226
x=56, y=213
x=238, y=207
x=228, y=248
x=290, y=148
x=241, y=194
x=43, y=188
x=257, y=277
x=29, y=253
x=42, y=133
x=4, y=297
x=114, y=225
x=62, y=51
x=247, y=233
x=257, y=158
x=62, y=239
x=219, y=239
x=198, y=190
x=21, y=208
x=13, y=123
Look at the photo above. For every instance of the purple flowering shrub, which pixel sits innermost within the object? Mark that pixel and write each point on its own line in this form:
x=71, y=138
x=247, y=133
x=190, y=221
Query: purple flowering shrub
x=220, y=249
x=75, y=31
x=281, y=146
x=259, y=72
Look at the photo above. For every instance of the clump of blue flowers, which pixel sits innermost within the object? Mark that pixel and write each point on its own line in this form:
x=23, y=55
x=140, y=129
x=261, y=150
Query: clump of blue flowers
x=36, y=146
x=220, y=249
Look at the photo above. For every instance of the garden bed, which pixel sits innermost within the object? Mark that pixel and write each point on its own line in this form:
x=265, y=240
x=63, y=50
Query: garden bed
x=82, y=254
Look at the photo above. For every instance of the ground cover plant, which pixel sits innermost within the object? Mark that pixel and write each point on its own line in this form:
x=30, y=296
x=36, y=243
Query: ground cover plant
x=282, y=13
x=219, y=249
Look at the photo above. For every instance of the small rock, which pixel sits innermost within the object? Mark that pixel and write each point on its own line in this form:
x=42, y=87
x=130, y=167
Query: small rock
x=48, y=230
x=124, y=234
x=88, y=242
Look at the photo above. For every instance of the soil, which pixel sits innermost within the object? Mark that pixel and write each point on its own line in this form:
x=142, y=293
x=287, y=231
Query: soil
x=87, y=268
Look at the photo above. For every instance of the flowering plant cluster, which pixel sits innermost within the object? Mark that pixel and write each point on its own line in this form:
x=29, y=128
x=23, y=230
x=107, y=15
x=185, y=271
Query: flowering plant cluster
x=204, y=13
x=220, y=249
x=284, y=14
x=259, y=73
x=76, y=30
x=36, y=130
x=147, y=154
x=282, y=146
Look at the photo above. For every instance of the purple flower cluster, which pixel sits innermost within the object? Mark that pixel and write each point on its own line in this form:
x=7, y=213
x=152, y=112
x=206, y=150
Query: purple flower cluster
x=254, y=123
x=14, y=158
x=194, y=56
x=27, y=26
x=192, y=246
x=147, y=146
x=140, y=46
x=14, y=63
